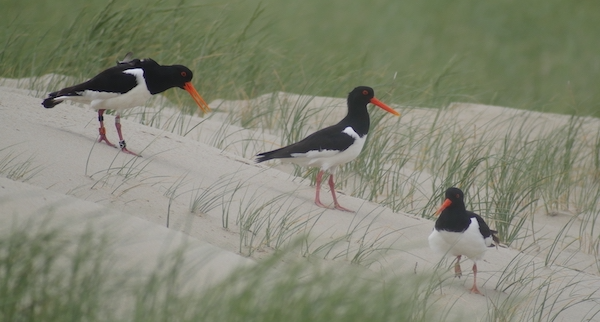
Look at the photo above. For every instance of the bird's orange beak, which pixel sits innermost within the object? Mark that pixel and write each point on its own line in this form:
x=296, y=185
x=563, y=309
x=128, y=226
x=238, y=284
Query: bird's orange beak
x=445, y=205
x=197, y=98
x=383, y=106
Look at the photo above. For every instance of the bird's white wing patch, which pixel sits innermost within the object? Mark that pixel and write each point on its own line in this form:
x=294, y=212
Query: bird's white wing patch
x=138, y=73
x=351, y=133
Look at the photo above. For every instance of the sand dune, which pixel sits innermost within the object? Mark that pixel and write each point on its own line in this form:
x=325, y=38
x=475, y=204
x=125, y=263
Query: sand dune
x=84, y=183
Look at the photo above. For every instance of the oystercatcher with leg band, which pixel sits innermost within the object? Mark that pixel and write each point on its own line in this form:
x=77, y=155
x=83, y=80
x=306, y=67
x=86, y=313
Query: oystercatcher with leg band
x=128, y=84
x=461, y=232
x=335, y=145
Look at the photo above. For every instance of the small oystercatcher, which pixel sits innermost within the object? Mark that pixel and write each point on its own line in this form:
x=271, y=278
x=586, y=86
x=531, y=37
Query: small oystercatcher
x=461, y=232
x=335, y=145
x=128, y=84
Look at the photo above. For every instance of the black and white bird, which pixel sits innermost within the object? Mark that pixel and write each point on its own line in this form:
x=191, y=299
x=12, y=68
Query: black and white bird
x=128, y=84
x=461, y=232
x=335, y=145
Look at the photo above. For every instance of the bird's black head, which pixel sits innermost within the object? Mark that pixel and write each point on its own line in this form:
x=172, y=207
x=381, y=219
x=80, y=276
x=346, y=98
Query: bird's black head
x=160, y=78
x=181, y=75
x=361, y=95
x=454, y=194
x=454, y=200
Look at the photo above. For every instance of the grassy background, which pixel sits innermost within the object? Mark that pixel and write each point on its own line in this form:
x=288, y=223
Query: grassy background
x=541, y=55
x=49, y=274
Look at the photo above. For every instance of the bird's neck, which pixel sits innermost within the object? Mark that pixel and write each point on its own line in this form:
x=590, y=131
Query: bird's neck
x=453, y=220
x=358, y=119
x=157, y=80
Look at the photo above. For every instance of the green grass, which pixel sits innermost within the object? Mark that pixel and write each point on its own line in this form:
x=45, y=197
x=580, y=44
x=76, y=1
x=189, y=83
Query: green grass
x=47, y=274
x=535, y=56
x=14, y=166
x=45, y=277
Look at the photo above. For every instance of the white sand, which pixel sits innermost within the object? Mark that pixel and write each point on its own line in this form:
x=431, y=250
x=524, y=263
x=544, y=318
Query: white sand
x=82, y=183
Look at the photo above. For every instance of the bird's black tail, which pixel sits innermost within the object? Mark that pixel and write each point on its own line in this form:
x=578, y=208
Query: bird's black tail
x=261, y=157
x=275, y=154
x=495, y=238
x=51, y=102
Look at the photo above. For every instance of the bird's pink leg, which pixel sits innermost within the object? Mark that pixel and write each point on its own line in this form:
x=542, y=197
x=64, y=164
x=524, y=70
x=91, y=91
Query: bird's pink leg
x=122, y=143
x=102, y=129
x=474, y=289
x=457, y=270
x=317, y=196
x=335, y=202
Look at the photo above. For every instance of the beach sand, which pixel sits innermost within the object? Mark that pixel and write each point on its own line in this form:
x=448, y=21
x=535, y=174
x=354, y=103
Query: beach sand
x=80, y=184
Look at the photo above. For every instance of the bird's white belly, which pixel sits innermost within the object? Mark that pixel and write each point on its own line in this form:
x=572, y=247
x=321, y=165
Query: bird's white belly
x=469, y=243
x=113, y=101
x=328, y=160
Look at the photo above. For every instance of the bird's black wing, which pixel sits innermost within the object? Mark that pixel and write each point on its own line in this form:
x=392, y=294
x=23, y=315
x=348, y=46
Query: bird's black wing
x=330, y=138
x=112, y=80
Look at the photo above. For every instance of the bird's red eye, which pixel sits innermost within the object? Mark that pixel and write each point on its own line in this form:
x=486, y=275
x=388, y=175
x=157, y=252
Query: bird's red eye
x=184, y=74
x=365, y=92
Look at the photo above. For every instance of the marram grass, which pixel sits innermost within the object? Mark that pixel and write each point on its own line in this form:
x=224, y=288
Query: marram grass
x=427, y=53
x=47, y=274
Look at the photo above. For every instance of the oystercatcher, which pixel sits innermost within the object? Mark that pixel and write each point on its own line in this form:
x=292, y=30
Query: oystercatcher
x=128, y=84
x=335, y=145
x=461, y=232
